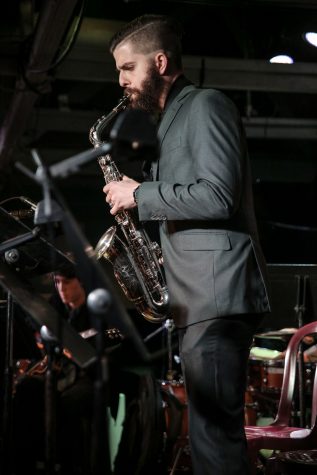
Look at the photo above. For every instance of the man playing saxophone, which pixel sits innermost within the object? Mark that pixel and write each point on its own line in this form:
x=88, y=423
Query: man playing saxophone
x=201, y=193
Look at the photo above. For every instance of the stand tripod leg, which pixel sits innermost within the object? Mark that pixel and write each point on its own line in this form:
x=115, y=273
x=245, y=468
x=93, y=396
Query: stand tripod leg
x=6, y=445
x=98, y=302
x=52, y=350
x=177, y=457
x=300, y=310
x=50, y=419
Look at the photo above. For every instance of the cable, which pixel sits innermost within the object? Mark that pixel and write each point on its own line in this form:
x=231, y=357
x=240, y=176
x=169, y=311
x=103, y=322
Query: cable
x=72, y=39
x=26, y=48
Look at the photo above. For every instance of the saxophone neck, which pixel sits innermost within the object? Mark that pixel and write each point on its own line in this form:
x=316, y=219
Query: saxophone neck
x=100, y=125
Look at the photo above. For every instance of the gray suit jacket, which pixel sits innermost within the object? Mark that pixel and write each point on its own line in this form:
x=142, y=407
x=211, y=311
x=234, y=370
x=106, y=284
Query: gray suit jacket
x=202, y=194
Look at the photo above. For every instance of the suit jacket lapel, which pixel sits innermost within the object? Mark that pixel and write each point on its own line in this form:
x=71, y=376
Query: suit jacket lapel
x=171, y=112
x=167, y=120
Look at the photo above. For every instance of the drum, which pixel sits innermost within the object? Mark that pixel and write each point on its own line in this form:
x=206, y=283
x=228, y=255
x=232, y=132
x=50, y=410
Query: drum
x=265, y=379
x=254, y=373
x=272, y=372
x=263, y=391
x=176, y=425
x=265, y=375
x=136, y=425
x=175, y=409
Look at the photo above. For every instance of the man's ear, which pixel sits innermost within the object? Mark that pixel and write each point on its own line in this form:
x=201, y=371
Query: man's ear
x=161, y=61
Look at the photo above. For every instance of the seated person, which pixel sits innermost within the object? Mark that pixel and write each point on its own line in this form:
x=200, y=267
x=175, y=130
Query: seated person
x=72, y=397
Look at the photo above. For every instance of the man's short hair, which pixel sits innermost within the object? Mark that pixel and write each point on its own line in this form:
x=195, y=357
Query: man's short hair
x=150, y=33
x=67, y=270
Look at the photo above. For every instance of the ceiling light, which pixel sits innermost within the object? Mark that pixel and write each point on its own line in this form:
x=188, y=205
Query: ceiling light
x=311, y=38
x=282, y=59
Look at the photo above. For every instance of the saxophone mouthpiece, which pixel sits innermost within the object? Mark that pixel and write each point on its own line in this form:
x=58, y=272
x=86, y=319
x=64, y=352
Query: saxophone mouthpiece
x=122, y=104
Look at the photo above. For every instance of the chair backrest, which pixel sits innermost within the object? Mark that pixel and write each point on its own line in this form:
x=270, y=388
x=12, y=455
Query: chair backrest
x=288, y=386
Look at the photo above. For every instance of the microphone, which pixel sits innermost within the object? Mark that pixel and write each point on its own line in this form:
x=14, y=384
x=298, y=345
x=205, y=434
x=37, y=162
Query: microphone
x=99, y=301
x=47, y=334
x=134, y=136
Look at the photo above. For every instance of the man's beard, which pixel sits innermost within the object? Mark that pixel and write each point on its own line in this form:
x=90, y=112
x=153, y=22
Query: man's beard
x=147, y=97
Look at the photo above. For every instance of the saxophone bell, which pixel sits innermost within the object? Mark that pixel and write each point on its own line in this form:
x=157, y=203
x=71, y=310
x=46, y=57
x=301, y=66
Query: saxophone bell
x=112, y=248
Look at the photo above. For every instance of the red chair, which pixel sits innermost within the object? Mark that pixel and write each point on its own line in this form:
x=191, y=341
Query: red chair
x=279, y=435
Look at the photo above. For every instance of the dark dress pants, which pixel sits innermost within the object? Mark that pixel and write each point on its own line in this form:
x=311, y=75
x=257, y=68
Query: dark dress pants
x=214, y=356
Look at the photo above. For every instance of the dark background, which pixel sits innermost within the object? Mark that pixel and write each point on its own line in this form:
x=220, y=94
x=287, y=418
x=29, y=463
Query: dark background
x=57, y=78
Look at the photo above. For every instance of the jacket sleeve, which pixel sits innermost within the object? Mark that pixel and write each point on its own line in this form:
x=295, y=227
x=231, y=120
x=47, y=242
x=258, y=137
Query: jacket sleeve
x=212, y=138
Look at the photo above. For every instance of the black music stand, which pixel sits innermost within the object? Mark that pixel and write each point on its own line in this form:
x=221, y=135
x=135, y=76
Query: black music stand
x=106, y=308
x=26, y=254
x=27, y=248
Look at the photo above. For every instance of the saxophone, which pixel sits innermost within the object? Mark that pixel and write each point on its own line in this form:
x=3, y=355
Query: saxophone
x=23, y=212
x=136, y=259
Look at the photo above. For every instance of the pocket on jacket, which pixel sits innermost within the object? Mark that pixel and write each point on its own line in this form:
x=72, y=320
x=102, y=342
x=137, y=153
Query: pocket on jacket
x=206, y=242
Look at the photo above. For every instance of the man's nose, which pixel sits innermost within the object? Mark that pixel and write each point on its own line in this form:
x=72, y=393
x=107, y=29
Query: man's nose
x=123, y=80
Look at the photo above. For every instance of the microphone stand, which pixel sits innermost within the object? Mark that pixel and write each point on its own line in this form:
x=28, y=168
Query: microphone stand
x=8, y=388
x=300, y=310
x=169, y=326
x=48, y=212
x=98, y=302
x=52, y=350
x=8, y=248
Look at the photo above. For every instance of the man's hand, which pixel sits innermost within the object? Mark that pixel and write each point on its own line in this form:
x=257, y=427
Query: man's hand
x=119, y=194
